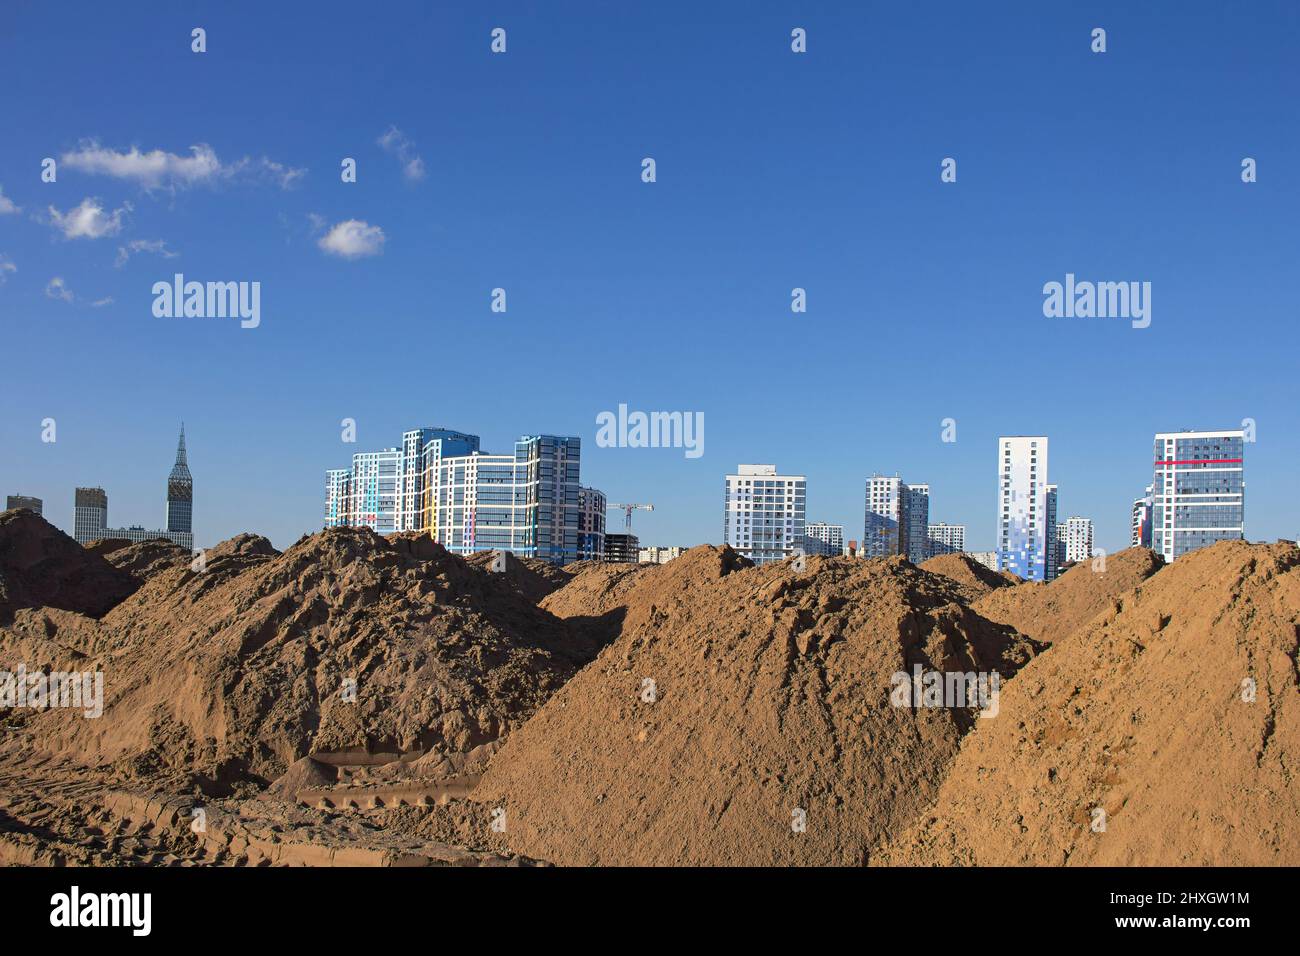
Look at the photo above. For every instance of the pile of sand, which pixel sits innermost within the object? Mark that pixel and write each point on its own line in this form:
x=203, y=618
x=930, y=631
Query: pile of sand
x=41, y=566
x=975, y=579
x=1141, y=714
x=770, y=699
x=532, y=579
x=1049, y=612
x=143, y=559
x=235, y=671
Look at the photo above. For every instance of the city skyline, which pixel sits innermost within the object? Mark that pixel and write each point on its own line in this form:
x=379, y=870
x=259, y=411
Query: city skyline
x=1052, y=540
x=818, y=171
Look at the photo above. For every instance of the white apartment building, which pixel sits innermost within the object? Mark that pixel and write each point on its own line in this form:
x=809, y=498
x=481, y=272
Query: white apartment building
x=764, y=514
x=373, y=490
x=1199, y=490
x=1023, y=541
x=825, y=539
x=885, y=526
x=1076, y=534
x=944, y=538
x=653, y=555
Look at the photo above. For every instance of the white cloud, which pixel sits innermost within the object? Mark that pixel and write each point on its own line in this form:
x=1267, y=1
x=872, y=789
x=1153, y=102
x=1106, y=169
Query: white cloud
x=56, y=288
x=6, y=267
x=157, y=246
x=107, y=300
x=353, y=239
x=89, y=221
x=158, y=169
x=7, y=207
x=397, y=143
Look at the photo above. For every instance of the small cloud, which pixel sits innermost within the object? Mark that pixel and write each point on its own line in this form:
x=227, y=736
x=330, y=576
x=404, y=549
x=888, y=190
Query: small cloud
x=89, y=221
x=107, y=300
x=353, y=239
x=398, y=144
x=56, y=288
x=158, y=169
x=156, y=246
x=317, y=221
x=7, y=207
x=6, y=267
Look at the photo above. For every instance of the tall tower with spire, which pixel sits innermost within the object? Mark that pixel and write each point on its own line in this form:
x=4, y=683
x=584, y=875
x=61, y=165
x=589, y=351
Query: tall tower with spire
x=180, y=492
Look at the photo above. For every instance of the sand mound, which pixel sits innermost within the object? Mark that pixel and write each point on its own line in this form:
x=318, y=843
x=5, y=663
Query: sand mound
x=975, y=579
x=142, y=560
x=303, y=773
x=40, y=566
x=1049, y=612
x=532, y=579
x=1141, y=713
x=236, y=671
x=770, y=697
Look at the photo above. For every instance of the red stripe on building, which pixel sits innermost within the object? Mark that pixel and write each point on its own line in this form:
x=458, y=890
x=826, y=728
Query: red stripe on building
x=1207, y=461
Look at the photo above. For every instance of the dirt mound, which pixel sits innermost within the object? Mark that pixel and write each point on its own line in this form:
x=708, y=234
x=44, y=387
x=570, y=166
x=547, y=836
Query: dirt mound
x=534, y=580
x=303, y=773
x=245, y=545
x=40, y=566
x=974, y=578
x=345, y=641
x=141, y=560
x=1143, y=714
x=737, y=698
x=1049, y=612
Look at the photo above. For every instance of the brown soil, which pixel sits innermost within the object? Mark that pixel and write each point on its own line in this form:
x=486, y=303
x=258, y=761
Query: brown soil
x=1141, y=714
x=771, y=697
x=1049, y=612
x=975, y=579
x=142, y=560
x=235, y=672
x=41, y=566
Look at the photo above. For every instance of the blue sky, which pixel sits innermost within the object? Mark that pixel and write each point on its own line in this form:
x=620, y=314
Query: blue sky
x=775, y=170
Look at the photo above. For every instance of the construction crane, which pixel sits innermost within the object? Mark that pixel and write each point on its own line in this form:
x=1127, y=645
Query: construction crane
x=627, y=513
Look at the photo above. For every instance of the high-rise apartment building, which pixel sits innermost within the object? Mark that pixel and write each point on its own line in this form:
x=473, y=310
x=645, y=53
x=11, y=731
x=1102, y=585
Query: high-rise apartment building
x=1077, y=538
x=1055, y=535
x=592, y=506
x=373, y=490
x=1140, y=523
x=338, y=498
x=526, y=502
x=1199, y=490
x=89, y=514
x=944, y=538
x=1022, y=507
x=24, y=501
x=916, y=516
x=824, y=539
x=987, y=558
x=764, y=514
x=422, y=451
x=885, y=528
x=438, y=481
